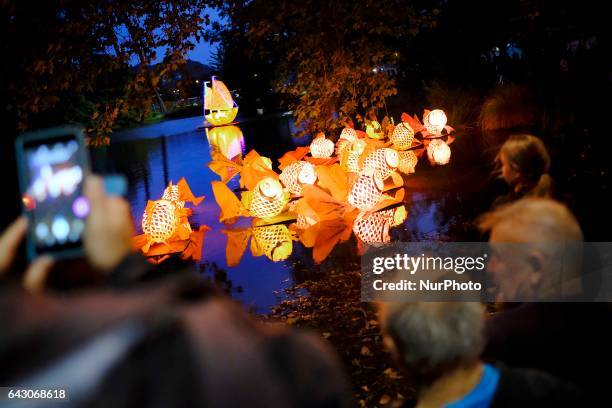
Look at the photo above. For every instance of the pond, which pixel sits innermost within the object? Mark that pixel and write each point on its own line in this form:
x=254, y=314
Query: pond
x=152, y=156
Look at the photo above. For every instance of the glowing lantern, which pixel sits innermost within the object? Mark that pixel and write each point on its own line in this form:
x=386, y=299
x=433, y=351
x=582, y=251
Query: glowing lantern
x=160, y=222
x=349, y=134
x=396, y=216
x=229, y=140
x=366, y=192
x=352, y=155
x=374, y=130
x=267, y=199
x=438, y=152
x=382, y=161
x=304, y=221
x=171, y=193
x=219, y=107
x=435, y=121
x=372, y=228
x=274, y=241
x=297, y=174
x=321, y=147
x=402, y=136
x=407, y=162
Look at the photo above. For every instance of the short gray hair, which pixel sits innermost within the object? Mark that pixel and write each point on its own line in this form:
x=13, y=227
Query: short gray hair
x=434, y=337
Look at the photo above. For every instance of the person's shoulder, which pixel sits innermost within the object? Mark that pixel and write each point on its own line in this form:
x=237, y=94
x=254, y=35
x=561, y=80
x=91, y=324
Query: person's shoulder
x=532, y=388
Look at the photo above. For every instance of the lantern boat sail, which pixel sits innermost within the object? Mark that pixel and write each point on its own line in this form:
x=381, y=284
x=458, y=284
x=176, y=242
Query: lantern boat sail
x=219, y=107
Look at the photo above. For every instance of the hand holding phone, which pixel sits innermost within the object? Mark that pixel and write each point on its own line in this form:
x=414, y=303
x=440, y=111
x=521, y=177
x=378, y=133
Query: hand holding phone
x=53, y=165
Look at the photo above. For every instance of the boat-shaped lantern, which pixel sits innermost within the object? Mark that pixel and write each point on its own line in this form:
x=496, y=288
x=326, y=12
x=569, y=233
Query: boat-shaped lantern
x=219, y=107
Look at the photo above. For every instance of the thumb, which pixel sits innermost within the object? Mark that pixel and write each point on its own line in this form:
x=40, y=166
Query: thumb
x=36, y=276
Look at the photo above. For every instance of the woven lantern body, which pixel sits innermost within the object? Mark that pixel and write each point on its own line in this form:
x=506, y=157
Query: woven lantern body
x=274, y=241
x=382, y=161
x=438, y=152
x=407, y=161
x=372, y=228
x=267, y=199
x=303, y=221
x=396, y=216
x=160, y=222
x=402, y=136
x=321, y=147
x=171, y=193
x=435, y=121
x=348, y=134
x=297, y=174
x=366, y=192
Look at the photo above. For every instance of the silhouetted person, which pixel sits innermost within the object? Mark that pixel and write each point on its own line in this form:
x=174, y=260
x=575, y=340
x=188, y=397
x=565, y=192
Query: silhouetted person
x=438, y=346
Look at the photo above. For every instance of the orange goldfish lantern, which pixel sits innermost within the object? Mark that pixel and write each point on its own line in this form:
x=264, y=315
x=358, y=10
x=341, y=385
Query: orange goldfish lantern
x=166, y=220
x=434, y=121
x=402, y=136
x=321, y=147
x=438, y=152
x=296, y=174
x=407, y=161
x=382, y=161
x=266, y=200
x=372, y=228
x=347, y=136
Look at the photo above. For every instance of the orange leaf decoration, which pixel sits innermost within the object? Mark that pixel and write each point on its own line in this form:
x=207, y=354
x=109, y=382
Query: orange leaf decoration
x=237, y=241
x=255, y=168
x=334, y=179
x=231, y=207
x=185, y=193
x=293, y=156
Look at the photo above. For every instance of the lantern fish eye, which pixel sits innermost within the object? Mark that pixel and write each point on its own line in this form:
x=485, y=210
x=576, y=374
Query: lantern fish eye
x=391, y=158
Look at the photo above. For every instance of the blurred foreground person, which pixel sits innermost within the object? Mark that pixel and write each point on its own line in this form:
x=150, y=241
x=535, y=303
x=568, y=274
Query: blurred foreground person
x=525, y=163
x=538, y=258
x=170, y=342
x=438, y=346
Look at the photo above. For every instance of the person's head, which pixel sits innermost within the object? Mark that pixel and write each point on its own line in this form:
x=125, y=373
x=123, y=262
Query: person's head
x=525, y=163
x=536, y=249
x=432, y=339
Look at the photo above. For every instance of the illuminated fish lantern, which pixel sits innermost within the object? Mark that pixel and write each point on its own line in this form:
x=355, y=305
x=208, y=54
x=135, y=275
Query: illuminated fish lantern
x=382, y=161
x=321, y=147
x=372, y=228
x=347, y=137
x=402, y=136
x=166, y=219
x=296, y=174
x=407, y=161
x=438, y=152
x=159, y=221
x=366, y=192
x=374, y=130
x=434, y=121
x=268, y=199
x=273, y=241
x=252, y=168
x=349, y=159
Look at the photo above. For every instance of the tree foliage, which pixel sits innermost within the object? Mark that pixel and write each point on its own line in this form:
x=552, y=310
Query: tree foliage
x=58, y=52
x=333, y=59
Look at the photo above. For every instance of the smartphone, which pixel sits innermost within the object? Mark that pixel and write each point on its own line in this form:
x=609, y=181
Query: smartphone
x=52, y=166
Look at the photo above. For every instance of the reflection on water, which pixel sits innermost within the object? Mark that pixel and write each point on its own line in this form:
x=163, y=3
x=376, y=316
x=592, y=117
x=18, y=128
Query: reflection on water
x=152, y=156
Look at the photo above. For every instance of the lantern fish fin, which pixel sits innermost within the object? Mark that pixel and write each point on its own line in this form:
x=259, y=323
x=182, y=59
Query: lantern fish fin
x=231, y=207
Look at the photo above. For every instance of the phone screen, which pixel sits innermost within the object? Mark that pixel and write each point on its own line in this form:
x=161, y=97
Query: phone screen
x=54, y=193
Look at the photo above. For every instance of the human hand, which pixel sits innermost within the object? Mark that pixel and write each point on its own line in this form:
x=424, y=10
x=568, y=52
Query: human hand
x=109, y=229
x=36, y=274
